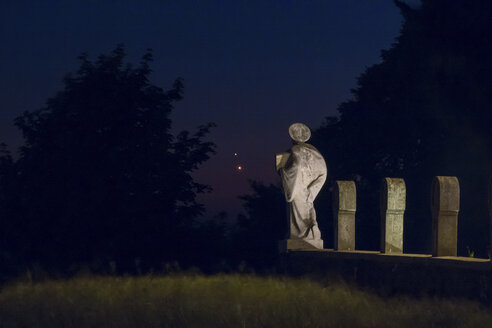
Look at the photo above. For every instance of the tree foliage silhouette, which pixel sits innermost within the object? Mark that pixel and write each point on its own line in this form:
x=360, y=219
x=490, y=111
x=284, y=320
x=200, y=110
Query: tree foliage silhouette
x=259, y=230
x=423, y=111
x=100, y=175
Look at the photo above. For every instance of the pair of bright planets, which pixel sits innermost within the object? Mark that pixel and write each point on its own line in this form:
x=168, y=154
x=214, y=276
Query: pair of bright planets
x=239, y=168
x=299, y=132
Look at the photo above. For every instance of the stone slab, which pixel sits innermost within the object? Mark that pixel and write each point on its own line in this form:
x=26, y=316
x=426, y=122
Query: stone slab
x=344, y=209
x=445, y=206
x=392, y=205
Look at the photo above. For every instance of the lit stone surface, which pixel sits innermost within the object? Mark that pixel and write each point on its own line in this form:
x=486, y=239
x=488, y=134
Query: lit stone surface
x=281, y=160
x=303, y=172
x=445, y=204
x=393, y=199
x=344, y=208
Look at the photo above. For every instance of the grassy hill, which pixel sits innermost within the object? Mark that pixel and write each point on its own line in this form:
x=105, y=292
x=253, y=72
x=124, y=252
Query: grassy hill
x=222, y=301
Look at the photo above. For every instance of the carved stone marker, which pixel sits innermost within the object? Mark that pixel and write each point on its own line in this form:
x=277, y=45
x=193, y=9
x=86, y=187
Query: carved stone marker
x=393, y=199
x=445, y=204
x=303, y=172
x=344, y=207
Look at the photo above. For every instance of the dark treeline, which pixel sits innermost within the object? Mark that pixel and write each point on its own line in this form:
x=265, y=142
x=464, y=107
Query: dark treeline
x=100, y=178
x=101, y=182
x=425, y=110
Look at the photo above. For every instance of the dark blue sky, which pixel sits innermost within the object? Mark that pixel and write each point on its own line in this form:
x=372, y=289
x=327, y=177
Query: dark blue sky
x=252, y=67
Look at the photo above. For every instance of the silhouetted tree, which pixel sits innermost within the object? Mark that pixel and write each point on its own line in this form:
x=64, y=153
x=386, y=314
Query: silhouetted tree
x=100, y=175
x=208, y=243
x=7, y=234
x=423, y=111
x=259, y=231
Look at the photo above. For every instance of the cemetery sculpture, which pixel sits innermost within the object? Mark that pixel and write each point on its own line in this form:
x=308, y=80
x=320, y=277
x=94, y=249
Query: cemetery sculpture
x=303, y=172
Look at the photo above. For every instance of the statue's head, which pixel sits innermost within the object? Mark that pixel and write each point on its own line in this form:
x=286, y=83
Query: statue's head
x=299, y=132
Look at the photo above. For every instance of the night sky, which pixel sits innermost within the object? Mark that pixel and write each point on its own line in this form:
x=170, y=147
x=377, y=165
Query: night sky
x=252, y=67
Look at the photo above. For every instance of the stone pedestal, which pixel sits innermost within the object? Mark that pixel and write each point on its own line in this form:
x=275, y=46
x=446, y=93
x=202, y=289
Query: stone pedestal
x=299, y=244
x=393, y=201
x=445, y=205
x=344, y=208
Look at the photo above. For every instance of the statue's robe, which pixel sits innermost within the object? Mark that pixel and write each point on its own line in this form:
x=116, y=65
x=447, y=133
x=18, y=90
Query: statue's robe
x=302, y=178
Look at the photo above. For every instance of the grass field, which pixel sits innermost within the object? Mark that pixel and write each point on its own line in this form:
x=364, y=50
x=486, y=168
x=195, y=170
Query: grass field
x=221, y=301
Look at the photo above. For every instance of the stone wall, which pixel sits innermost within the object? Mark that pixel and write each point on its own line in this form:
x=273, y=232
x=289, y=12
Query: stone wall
x=412, y=274
x=444, y=203
x=391, y=270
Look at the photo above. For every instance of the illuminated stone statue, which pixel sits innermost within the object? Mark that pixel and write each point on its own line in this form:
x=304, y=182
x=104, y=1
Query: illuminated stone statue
x=303, y=172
